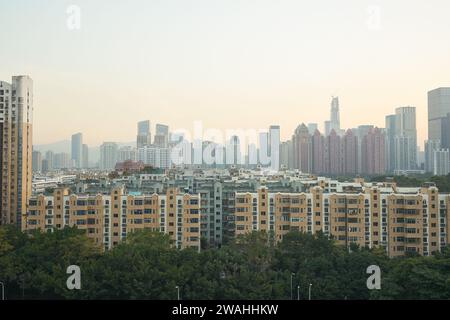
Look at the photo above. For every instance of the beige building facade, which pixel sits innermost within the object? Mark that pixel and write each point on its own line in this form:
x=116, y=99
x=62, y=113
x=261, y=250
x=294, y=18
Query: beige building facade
x=399, y=220
x=16, y=118
x=109, y=219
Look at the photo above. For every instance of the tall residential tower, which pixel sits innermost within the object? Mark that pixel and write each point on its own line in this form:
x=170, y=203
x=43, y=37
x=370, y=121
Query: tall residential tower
x=16, y=118
x=77, y=150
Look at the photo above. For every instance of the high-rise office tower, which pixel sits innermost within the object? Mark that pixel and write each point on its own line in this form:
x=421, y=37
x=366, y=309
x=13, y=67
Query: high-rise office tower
x=274, y=146
x=108, y=155
x=263, y=149
x=302, y=145
x=37, y=161
x=445, y=132
x=438, y=108
x=143, y=134
x=161, y=138
x=16, y=118
x=77, y=150
x=85, y=156
x=390, y=142
x=335, y=121
x=405, y=138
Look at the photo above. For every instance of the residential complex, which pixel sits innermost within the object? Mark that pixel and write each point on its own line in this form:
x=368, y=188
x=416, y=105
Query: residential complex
x=218, y=205
x=397, y=219
x=109, y=218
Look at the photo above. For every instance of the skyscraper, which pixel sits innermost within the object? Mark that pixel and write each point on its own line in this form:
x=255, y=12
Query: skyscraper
x=48, y=161
x=390, y=142
x=77, y=149
x=85, y=156
x=285, y=154
x=233, y=152
x=373, y=152
x=430, y=147
x=62, y=160
x=360, y=132
x=350, y=153
x=16, y=118
x=445, y=132
x=37, y=161
x=274, y=146
x=441, y=162
x=318, y=152
x=301, y=141
x=438, y=108
x=143, y=134
x=335, y=121
x=161, y=138
x=108, y=155
x=333, y=163
x=405, y=138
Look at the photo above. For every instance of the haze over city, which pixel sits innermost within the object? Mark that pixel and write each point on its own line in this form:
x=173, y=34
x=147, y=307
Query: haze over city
x=234, y=64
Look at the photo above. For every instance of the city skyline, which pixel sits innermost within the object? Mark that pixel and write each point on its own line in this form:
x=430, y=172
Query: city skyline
x=365, y=149
x=127, y=137
x=259, y=62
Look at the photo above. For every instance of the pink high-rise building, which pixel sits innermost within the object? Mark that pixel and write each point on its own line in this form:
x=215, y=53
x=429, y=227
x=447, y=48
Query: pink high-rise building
x=333, y=163
x=373, y=152
x=350, y=153
x=318, y=151
x=301, y=141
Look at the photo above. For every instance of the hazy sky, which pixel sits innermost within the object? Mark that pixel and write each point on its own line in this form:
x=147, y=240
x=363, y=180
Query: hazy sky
x=232, y=64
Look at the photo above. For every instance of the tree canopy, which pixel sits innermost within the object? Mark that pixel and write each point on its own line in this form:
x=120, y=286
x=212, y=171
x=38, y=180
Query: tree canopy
x=146, y=266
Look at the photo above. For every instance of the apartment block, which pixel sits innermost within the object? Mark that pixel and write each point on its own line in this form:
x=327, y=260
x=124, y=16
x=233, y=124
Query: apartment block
x=398, y=219
x=109, y=218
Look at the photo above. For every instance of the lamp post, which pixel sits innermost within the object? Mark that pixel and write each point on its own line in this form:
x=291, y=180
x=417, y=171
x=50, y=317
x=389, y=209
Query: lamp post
x=309, y=294
x=3, y=290
x=178, y=292
x=292, y=275
x=298, y=292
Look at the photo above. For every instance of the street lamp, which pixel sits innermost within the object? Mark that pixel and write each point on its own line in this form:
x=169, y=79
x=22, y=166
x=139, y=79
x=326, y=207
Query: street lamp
x=3, y=290
x=309, y=295
x=292, y=275
x=298, y=292
x=178, y=292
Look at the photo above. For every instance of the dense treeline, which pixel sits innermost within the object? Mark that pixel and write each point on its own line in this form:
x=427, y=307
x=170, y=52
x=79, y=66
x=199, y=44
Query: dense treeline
x=146, y=266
